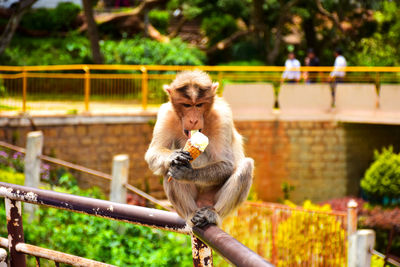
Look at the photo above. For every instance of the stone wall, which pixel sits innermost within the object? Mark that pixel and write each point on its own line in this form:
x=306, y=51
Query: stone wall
x=322, y=159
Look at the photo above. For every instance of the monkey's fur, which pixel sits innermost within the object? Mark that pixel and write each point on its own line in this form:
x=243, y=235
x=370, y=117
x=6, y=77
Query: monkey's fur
x=208, y=189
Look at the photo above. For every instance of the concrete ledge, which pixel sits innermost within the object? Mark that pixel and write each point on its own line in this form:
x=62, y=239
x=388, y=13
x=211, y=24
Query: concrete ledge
x=74, y=119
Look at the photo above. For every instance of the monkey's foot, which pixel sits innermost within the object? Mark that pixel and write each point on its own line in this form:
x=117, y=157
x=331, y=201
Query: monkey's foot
x=205, y=216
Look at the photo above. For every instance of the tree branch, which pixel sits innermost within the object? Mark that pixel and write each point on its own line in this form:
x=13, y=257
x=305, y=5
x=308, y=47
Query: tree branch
x=13, y=22
x=325, y=12
x=227, y=42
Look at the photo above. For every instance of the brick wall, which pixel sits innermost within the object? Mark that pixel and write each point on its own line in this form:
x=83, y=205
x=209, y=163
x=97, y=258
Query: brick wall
x=322, y=160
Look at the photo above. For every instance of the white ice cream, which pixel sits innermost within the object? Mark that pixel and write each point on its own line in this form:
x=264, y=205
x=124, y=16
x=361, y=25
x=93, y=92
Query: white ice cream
x=199, y=140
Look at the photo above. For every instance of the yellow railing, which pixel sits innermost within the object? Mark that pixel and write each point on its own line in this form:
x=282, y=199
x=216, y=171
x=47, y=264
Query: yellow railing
x=125, y=88
x=291, y=236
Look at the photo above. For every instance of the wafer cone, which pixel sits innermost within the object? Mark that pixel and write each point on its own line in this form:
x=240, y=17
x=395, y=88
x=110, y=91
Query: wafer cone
x=194, y=151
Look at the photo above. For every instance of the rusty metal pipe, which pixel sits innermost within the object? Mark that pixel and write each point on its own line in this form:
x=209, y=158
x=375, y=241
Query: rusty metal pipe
x=58, y=256
x=15, y=232
x=232, y=250
x=101, y=208
x=52, y=254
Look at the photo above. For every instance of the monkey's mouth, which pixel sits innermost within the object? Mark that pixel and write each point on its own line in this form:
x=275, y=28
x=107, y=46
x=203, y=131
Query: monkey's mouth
x=188, y=132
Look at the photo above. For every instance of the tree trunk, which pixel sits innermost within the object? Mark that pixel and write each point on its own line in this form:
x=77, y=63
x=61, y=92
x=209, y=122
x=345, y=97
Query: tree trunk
x=13, y=22
x=93, y=34
x=283, y=18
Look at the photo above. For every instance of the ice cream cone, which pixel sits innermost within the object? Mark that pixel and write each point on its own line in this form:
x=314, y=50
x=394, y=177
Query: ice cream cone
x=194, y=151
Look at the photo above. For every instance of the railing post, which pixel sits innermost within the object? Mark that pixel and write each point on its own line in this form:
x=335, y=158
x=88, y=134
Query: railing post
x=15, y=232
x=202, y=254
x=274, y=230
x=351, y=233
x=34, y=146
x=3, y=258
x=219, y=78
x=24, y=90
x=87, y=87
x=120, y=169
x=365, y=245
x=145, y=83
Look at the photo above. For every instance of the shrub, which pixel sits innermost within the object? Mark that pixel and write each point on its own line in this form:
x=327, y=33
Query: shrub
x=138, y=51
x=104, y=240
x=159, y=19
x=60, y=18
x=13, y=164
x=382, y=178
x=11, y=177
x=75, y=49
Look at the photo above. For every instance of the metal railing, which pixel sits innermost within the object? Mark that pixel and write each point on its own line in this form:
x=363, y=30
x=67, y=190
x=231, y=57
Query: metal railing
x=227, y=246
x=95, y=173
x=78, y=88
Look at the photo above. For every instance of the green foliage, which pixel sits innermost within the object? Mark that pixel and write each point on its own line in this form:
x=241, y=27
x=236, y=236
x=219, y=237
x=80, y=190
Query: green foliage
x=104, y=240
x=146, y=51
x=60, y=18
x=3, y=89
x=159, y=19
x=75, y=49
x=11, y=177
x=377, y=261
x=24, y=51
x=11, y=161
x=382, y=178
x=381, y=49
x=218, y=27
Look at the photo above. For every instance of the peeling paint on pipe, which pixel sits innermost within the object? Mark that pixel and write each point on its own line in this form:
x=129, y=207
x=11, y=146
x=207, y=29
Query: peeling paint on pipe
x=232, y=250
x=128, y=213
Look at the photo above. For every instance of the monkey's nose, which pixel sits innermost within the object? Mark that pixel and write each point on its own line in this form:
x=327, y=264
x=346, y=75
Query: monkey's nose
x=194, y=122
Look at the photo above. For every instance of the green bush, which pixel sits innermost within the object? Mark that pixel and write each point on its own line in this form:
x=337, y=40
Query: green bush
x=382, y=178
x=104, y=240
x=159, y=19
x=145, y=51
x=61, y=18
x=75, y=49
x=11, y=177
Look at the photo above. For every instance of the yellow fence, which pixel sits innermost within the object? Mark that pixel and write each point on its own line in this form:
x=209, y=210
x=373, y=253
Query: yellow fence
x=291, y=236
x=71, y=89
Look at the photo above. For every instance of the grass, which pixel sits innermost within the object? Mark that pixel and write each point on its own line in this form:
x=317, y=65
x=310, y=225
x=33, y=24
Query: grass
x=7, y=107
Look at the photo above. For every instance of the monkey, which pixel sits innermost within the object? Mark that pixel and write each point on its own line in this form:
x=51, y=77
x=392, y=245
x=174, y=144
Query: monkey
x=218, y=181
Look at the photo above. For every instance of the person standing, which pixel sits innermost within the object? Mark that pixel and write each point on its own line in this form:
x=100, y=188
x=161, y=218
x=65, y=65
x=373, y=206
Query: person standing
x=337, y=75
x=312, y=61
x=290, y=74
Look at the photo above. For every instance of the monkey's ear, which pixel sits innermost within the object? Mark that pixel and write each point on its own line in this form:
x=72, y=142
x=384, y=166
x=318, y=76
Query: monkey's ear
x=214, y=87
x=167, y=89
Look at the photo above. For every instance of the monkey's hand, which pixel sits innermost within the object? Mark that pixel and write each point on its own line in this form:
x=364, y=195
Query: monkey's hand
x=180, y=167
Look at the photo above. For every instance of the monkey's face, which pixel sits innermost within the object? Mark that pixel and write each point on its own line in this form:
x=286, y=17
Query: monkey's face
x=192, y=96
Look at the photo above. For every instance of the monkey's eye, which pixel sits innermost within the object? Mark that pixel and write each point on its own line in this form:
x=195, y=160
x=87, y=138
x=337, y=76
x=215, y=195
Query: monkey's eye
x=199, y=105
x=186, y=105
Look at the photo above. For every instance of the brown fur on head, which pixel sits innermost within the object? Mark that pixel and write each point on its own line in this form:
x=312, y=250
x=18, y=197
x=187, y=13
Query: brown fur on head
x=192, y=96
